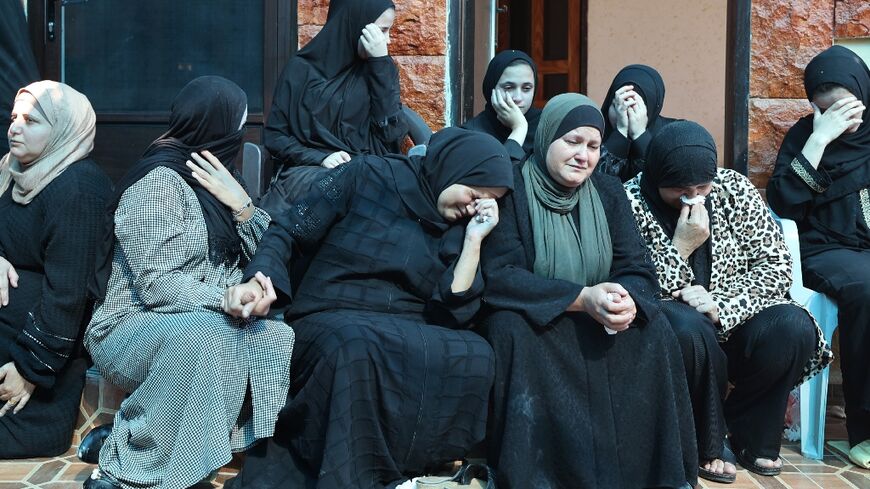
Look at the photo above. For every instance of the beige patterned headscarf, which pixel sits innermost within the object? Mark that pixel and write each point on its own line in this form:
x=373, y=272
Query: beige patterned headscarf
x=73, y=123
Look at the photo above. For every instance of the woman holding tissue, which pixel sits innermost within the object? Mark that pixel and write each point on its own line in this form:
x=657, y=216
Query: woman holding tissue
x=724, y=270
x=589, y=388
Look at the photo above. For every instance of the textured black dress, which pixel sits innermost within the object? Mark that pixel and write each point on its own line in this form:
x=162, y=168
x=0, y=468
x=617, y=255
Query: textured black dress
x=51, y=243
x=381, y=386
x=574, y=407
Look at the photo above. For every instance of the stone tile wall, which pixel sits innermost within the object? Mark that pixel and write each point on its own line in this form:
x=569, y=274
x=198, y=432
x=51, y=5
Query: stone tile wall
x=419, y=46
x=785, y=37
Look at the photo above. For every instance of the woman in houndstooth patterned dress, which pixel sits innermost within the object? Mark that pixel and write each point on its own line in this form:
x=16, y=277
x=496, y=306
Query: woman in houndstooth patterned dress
x=202, y=383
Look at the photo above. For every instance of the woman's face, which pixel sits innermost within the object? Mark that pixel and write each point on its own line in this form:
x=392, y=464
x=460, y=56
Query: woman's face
x=671, y=195
x=573, y=157
x=29, y=131
x=457, y=201
x=384, y=23
x=825, y=100
x=518, y=82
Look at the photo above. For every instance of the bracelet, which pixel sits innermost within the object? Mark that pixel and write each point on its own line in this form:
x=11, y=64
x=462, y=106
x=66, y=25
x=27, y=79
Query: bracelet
x=238, y=213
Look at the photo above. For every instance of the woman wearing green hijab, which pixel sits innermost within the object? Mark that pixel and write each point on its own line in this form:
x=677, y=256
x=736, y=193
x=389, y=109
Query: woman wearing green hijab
x=590, y=388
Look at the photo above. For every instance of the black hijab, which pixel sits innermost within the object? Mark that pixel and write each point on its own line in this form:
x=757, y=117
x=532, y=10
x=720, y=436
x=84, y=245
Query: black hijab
x=17, y=64
x=682, y=154
x=324, y=88
x=453, y=156
x=487, y=121
x=205, y=115
x=649, y=85
x=847, y=159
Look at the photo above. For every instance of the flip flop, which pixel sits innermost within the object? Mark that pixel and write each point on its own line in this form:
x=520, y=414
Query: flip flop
x=747, y=461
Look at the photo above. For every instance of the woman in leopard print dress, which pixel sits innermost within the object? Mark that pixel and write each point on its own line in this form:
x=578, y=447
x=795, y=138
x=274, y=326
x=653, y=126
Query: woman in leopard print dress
x=724, y=271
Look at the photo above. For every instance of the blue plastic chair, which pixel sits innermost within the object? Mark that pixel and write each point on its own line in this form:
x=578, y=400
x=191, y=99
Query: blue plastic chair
x=814, y=392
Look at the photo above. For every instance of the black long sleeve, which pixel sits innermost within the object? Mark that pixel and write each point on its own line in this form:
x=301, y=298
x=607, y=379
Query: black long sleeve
x=388, y=121
x=69, y=236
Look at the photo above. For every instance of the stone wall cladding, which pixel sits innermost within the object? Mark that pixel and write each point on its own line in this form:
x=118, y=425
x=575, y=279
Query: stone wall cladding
x=852, y=18
x=418, y=45
x=786, y=34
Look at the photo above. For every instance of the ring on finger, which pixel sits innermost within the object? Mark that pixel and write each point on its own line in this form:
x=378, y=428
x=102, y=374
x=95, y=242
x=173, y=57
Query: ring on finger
x=12, y=402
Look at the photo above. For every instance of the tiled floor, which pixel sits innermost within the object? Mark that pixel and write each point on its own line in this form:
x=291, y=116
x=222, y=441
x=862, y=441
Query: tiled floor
x=100, y=401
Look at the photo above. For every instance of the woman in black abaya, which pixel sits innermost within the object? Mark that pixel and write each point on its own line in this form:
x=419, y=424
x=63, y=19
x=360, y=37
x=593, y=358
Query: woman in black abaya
x=339, y=96
x=633, y=107
x=574, y=406
x=383, y=386
x=509, y=90
x=822, y=181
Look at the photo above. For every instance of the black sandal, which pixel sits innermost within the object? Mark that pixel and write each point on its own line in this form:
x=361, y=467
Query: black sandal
x=722, y=478
x=747, y=461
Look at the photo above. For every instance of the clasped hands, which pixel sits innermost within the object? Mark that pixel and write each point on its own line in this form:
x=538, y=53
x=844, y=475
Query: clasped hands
x=252, y=298
x=631, y=112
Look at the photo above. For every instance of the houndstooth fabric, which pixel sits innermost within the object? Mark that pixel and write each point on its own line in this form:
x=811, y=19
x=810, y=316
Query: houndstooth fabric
x=161, y=335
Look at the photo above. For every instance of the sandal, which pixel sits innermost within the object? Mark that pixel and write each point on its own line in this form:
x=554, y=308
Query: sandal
x=722, y=478
x=747, y=461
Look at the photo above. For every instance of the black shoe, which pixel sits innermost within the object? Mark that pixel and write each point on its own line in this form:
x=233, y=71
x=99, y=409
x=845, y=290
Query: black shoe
x=89, y=449
x=100, y=480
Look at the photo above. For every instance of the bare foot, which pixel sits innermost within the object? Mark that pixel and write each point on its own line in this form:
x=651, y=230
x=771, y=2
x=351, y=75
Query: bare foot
x=718, y=466
x=769, y=464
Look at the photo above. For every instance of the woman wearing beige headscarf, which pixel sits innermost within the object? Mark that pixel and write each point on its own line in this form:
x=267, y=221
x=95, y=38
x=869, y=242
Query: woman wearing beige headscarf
x=51, y=206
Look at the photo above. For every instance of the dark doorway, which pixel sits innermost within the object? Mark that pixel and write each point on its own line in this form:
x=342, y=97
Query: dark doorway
x=131, y=58
x=552, y=32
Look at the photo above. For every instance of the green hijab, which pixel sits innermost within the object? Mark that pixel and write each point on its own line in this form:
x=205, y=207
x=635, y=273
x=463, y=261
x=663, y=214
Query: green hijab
x=563, y=251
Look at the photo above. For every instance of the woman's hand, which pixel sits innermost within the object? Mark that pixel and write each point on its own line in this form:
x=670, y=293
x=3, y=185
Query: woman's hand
x=373, y=41
x=335, y=159
x=508, y=113
x=693, y=229
x=15, y=390
x=253, y=298
x=608, y=303
x=483, y=221
x=623, y=98
x=839, y=117
x=698, y=297
x=214, y=176
x=8, y=278
x=637, y=118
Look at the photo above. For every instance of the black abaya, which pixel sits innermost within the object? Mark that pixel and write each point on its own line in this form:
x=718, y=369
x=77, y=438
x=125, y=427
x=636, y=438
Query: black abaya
x=572, y=406
x=383, y=387
x=328, y=99
x=831, y=204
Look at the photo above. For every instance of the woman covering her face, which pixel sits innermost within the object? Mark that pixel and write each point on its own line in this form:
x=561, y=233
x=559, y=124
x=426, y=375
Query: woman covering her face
x=386, y=383
x=724, y=269
x=633, y=107
x=339, y=96
x=575, y=406
x=822, y=181
x=180, y=228
x=51, y=201
x=509, y=90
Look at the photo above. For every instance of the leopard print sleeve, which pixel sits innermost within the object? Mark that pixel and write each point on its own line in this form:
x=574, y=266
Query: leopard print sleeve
x=764, y=272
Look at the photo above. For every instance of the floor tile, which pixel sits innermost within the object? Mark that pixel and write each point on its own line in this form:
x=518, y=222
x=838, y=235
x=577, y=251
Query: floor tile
x=833, y=482
x=798, y=481
x=13, y=471
x=47, y=472
x=858, y=480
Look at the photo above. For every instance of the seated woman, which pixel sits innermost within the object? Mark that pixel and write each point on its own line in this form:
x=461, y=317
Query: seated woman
x=633, y=106
x=339, y=96
x=52, y=198
x=202, y=384
x=509, y=91
x=574, y=406
x=724, y=267
x=385, y=383
x=822, y=181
